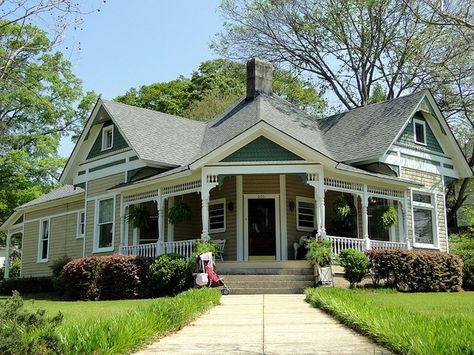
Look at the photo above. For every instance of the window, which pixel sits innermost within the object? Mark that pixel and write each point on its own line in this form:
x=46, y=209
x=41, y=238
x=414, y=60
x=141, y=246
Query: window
x=104, y=233
x=420, y=131
x=81, y=224
x=217, y=216
x=305, y=214
x=43, y=240
x=424, y=223
x=107, y=137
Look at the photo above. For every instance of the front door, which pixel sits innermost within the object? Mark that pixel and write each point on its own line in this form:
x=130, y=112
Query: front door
x=262, y=228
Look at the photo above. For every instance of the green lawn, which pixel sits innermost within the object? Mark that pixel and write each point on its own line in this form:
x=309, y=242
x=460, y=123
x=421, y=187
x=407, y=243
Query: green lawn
x=75, y=312
x=408, y=323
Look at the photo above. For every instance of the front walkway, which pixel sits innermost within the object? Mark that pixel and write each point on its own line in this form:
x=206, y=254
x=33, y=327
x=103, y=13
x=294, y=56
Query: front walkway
x=265, y=324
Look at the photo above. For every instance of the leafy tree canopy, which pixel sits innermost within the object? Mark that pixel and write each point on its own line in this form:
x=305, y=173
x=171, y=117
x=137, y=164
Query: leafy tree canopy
x=40, y=101
x=213, y=87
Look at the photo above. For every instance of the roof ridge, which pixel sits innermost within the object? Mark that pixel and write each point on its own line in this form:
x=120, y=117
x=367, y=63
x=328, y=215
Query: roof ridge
x=154, y=111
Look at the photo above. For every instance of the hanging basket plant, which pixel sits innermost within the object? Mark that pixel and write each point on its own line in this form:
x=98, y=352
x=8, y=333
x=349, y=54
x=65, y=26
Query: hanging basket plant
x=385, y=216
x=180, y=212
x=138, y=217
x=342, y=209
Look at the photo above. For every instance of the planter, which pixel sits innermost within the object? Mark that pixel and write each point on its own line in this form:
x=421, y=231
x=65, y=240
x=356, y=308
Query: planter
x=325, y=276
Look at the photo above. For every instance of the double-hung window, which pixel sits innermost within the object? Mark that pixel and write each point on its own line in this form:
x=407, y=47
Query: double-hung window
x=107, y=137
x=305, y=214
x=81, y=224
x=424, y=220
x=104, y=231
x=419, y=127
x=43, y=245
x=217, y=216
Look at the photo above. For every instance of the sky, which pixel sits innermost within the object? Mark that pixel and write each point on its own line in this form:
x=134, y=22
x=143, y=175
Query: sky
x=133, y=43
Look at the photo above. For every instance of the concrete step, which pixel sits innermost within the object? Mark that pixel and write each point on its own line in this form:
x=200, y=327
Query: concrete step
x=263, y=278
x=268, y=284
x=287, y=264
x=259, y=291
x=263, y=271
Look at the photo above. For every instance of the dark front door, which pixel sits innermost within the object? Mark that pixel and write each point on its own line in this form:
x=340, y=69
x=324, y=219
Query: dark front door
x=262, y=228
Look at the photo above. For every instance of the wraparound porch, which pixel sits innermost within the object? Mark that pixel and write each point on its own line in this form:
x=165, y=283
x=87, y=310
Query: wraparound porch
x=260, y=211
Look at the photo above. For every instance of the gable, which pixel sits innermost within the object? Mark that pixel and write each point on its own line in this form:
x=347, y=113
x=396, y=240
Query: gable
x=407, y=137
x=119, y=142
x=261, y=149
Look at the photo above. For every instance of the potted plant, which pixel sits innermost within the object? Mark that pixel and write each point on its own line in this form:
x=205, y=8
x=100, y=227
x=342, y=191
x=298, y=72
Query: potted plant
x=180, y=212
x=320, y=256
x=138, y=217
x=385, y=216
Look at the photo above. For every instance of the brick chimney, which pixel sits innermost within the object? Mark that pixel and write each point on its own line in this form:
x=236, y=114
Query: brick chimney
x=259, y=77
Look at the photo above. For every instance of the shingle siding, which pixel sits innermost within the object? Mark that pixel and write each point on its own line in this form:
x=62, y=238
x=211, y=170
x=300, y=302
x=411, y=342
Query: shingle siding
x=118, y=143
x=407, y=137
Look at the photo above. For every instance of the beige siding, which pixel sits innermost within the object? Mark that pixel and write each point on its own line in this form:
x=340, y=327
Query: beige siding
x=440, y=205
x=189, y=229
x=62, y=242
x=51, y=211
x=430, y=181
x=261, y=184
x=89, y=226
x=295, y=187
x=227, y=191
x=100, y=186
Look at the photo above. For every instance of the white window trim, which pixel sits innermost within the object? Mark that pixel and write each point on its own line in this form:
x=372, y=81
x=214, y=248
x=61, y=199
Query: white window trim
x=423, y=123
x=40, y=240
x=217, y=202
x=104, y=132
x=95, y=248
x=434, y=218
x=307, y=200
x=78, y=232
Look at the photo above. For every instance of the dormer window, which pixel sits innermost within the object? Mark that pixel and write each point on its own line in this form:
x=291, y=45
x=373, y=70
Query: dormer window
x=420, y=131
x=107, y=137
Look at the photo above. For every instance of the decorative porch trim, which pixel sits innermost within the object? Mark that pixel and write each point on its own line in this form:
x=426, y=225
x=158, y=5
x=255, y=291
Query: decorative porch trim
x=181, y=189
x=141, y=197
x=342, y=185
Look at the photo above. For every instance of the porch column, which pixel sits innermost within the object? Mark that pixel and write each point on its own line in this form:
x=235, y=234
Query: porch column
x=161, y=220
x=365, y=215
x=6, y=273
x=405, y=219
x=123, y=222
x=318, y=185
x=170, y=236
x=208, y=182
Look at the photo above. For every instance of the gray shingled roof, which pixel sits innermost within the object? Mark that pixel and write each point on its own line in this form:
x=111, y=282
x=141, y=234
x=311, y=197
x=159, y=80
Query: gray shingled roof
x=59, y=193
x=367, y=131
x=157, y=136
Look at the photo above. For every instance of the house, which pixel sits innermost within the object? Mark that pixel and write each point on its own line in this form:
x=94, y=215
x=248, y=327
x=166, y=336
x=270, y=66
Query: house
x=260, y=176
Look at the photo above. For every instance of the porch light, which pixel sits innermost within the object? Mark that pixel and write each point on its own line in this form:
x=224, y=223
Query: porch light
x=230, y=206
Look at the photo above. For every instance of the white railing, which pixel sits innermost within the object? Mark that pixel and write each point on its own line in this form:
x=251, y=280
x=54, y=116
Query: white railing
x=379, y=244
x=148, y=250
x=153, y=250
x=183, y=247
x=340, y=243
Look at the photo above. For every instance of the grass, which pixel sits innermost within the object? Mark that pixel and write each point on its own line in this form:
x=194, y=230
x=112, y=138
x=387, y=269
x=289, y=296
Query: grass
x=118, y=327
x=407, y=323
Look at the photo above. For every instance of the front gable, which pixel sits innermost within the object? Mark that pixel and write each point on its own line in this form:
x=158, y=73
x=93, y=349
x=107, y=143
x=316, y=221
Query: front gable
x=261, y=149
x=407, y=138
x=118, y=142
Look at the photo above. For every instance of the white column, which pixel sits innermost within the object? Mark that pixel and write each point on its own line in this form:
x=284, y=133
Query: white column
x=239, y=217
x=208, y=182
x=6, y=273
x=405, y=219
x=283, y=223
x=170, y=225
x=123, y=210
x=161, y=221
x=322, y=206
x=365, y=215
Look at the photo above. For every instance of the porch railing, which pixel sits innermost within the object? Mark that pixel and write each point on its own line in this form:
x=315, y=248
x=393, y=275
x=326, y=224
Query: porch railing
x=341, y=243
x=153, y=250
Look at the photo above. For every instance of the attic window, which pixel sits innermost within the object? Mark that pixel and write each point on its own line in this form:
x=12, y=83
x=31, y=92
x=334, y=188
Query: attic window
x=420, y=131
x=107, y=137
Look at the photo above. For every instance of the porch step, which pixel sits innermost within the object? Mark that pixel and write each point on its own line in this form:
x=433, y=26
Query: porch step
x=275, y=277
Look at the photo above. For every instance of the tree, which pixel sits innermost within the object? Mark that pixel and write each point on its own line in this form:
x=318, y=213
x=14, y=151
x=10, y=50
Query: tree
x=40, y=100
x=366, y=51
x=214, y=87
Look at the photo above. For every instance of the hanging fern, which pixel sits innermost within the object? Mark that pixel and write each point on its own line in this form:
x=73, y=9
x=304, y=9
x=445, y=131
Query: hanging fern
x=180, y=212
x=138, y=217
x=385, y=216
x=342, y=209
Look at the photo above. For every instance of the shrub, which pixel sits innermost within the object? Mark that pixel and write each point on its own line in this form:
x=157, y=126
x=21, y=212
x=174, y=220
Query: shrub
x=15, y=268
x=319, y=252
x=463, y=245
x=27, y=332
x=169, y=275
x=106, y=277
x=416, y=271
x=355, y=264
x=26, y=285
x=122, y=277
x=57, y=269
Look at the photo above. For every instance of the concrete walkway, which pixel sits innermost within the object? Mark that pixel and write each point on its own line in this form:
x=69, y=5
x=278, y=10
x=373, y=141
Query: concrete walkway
x=265, y=324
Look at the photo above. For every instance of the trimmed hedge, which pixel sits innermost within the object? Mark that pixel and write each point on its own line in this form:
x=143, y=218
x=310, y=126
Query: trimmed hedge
x=26, y=285
x=355, y=264
x=106, y=278
x=416, y=271
x=169, y=275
